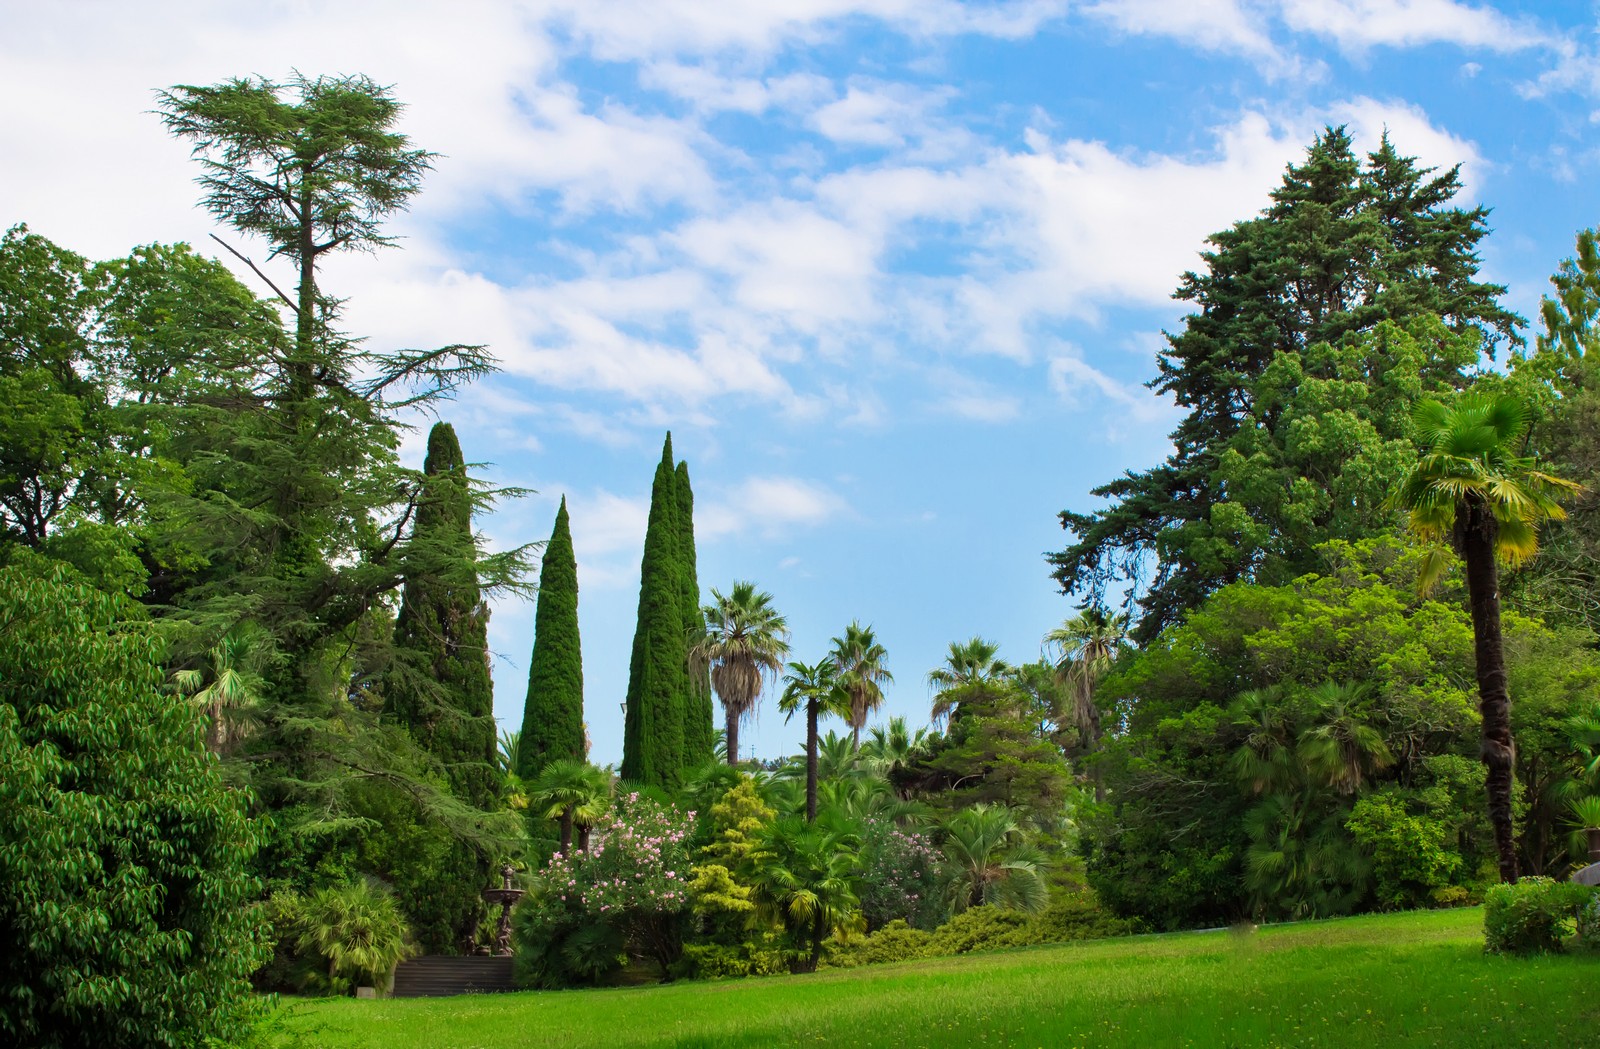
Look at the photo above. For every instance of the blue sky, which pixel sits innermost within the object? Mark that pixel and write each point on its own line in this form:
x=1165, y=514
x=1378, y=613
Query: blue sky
x=893, y=272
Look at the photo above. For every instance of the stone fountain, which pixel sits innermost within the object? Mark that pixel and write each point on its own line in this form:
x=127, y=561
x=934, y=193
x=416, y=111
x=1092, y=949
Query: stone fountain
x=505, y=896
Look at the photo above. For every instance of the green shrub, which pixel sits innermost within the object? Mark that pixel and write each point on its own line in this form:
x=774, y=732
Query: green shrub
x=1588, y=924
x=357, y=931
x=720, y=961
x=1532, y=916
x=125, y=898
x=895, y=942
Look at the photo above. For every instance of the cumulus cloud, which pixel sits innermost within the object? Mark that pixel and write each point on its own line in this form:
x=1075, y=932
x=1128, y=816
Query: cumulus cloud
x=1357, y=25
x=767, y=506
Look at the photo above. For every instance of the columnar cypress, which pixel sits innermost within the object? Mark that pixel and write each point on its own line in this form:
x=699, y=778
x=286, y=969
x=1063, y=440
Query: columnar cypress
x=652, y=745
x=699, y=736
x=440, y=686
x=552, y=716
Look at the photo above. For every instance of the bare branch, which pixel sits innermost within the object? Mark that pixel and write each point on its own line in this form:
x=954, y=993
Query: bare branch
x=287, y=301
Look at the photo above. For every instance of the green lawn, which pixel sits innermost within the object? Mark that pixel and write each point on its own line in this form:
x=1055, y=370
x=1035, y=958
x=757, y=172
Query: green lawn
x=1417, y=979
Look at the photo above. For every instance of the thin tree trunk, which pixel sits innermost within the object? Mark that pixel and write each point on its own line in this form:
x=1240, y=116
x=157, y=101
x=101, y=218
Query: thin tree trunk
x=732, y=735
x=811, y=760
x=583, y=837
x=566, y=830
x=1477, y=534
x=855, y=738
x=817, y=931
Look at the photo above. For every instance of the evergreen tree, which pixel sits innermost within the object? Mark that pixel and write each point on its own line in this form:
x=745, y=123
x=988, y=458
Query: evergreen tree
x=440, y=688
x=552, y=719
x=1291, y=302
x=652, y=744
x=699, y=735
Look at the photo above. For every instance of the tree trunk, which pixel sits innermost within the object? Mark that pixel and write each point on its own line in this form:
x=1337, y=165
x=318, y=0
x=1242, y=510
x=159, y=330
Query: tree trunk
x=811, y=760
x=1477, y=531
x=583, y=837
x=855, y=738
x=566, y=830
x=732, y=735
x=818, y=929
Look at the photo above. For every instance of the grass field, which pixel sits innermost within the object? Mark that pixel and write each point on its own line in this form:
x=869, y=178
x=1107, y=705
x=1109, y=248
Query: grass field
x=1417, y=979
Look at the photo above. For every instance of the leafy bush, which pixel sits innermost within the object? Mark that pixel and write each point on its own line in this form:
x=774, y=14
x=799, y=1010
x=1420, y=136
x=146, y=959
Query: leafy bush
x=1407, y=852
x=587, y=912
x=124, y=891
x=900, y=876
x=895, y=942
x=1588, y=924
x=1532, y=916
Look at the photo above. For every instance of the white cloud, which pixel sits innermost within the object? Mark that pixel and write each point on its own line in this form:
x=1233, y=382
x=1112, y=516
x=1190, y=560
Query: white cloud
x=1356, y=25
x=883, y=115
x=1126, y=407
x=1210, y=25
x=769, y=506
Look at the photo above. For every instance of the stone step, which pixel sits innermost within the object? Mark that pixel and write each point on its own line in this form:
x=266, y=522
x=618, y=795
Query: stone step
x=441, y=975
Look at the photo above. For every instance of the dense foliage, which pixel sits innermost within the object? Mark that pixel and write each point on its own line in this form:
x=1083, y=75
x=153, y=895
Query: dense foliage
x=127, y=906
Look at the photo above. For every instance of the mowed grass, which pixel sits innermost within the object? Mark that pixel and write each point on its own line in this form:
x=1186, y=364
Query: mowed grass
x=1418, y=979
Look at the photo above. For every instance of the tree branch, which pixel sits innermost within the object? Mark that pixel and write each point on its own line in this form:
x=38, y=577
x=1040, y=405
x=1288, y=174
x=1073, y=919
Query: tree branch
x=286, y=300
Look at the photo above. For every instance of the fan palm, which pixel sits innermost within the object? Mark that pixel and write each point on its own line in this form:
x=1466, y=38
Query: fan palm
x=987, y=861
x=969, y=664
x=745, y=641
x=575, y=794
x=1265, y=760
x=1341, y=749
x=1085, y=646
x=817, y=690
x=895, y=747
x=859, y=660
x=803, y=875
x=228, y=689
x=1469, y=487
x=358, y=929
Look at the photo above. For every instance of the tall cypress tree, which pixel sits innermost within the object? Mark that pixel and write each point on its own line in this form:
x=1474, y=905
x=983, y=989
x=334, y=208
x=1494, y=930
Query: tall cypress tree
x=699, y=736
x=441, y=688
x=652, y=744
x=552, y=716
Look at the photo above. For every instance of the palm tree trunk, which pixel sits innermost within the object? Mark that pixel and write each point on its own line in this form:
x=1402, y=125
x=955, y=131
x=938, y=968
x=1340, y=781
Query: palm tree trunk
x=732, y=735
x=1477, y=534
x=855, y=737
x=817, y=931
x=583, y=837
x=566, y=830
x=811, y=761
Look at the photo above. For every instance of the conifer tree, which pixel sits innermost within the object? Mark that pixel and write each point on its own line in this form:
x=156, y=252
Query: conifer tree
x=552, y=719
x=440, y=688
x=699, y=735
x=652, y=744
x=1358, y=279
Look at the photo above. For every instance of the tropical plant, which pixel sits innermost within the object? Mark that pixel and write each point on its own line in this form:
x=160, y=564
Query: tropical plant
x=1265, y=759
x=358, y=931
x=1470, y=488
x=987, y=861
x=816, y=689
x=575, y=794
x=1339, y=748
x=968, y=665
x=892, y=748
x=746, y=640
x=859, y=659
x=804, y=878
x=1085, y=646
x=228, y=689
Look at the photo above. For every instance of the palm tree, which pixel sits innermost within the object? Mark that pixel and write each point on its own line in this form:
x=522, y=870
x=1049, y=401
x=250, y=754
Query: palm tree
x=358, y=929
x=803, y=876
x=859, y=659
x=1265, y=760
x=1086, y=645
x=894, y=748
x=228, y=690
x=1470, y=488
x=815, y=688
x=987, y=861
x=1341, y=749
x=970, y=664
x=574, y=793
x=745, y=640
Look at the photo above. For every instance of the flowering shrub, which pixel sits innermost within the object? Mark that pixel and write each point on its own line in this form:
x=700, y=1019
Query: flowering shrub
x=899, y=876
x=627, y=895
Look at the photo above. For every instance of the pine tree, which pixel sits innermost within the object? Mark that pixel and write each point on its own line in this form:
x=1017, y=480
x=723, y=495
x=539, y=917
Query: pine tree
x=652, y=745
x=1321, y=292
x=699, y=735
x=552, y=718
x=440, y=688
